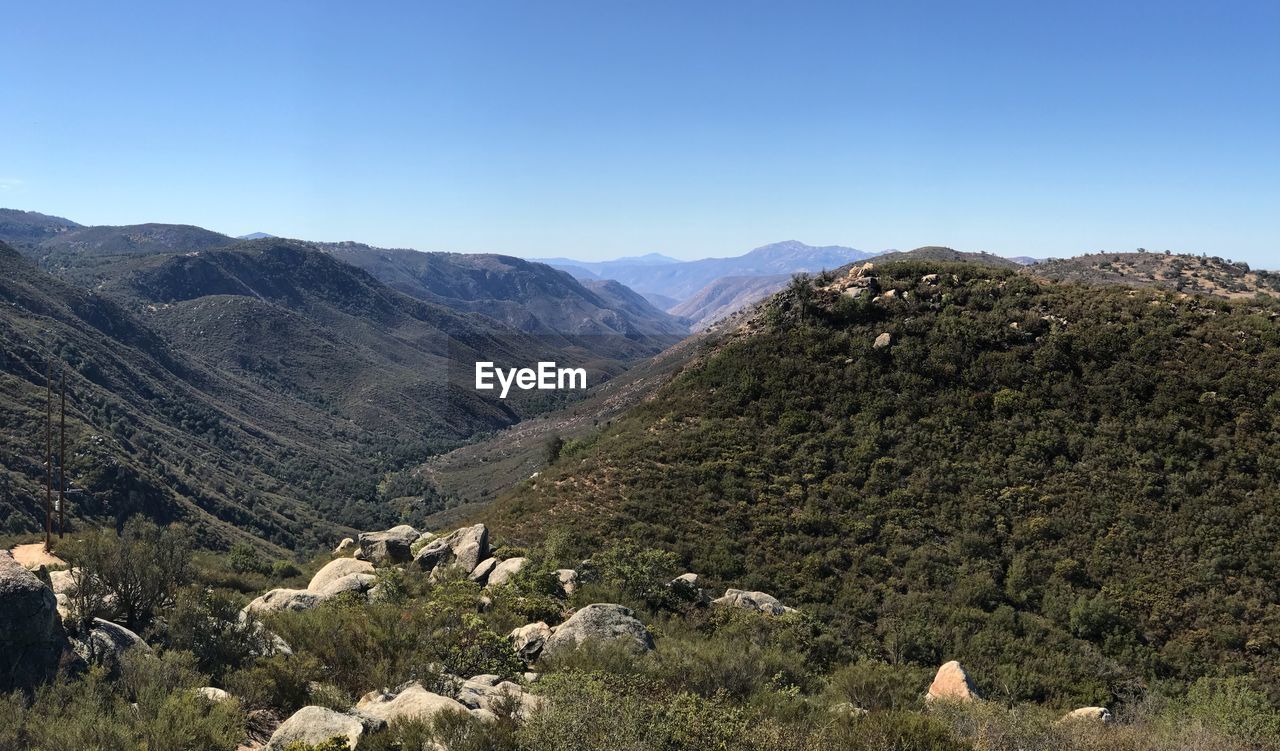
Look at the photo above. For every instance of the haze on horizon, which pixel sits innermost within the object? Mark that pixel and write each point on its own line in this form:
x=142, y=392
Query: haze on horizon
x=594, y=130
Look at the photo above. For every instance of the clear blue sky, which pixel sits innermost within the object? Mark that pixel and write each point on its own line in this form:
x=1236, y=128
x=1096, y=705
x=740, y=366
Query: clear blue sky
x=600, y=128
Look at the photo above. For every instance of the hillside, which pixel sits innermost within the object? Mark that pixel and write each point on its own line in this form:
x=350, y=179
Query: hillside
x=726, y=296
x=530, y=296
x=278, y=385
x=682, y=279
x=22, y=227
x=1205, y=275
x=1072, y=489
x=153, y=432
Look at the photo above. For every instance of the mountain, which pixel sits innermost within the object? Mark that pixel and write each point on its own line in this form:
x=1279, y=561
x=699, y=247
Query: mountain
x=682, y=279
x=530, y=296
x=726, y=296
x=152, y=431
x=22, y=227
x=136, y=239
x=1070, y=487
x=255, y=236
x=265, y=388
x=1207, y=275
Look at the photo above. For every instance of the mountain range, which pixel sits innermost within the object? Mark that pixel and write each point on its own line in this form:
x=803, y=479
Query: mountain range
x=267, y=387
x=680, y=280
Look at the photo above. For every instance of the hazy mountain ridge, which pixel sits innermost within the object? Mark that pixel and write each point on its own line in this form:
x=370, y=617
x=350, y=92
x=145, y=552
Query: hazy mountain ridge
x=682, y=279
x=726, y=296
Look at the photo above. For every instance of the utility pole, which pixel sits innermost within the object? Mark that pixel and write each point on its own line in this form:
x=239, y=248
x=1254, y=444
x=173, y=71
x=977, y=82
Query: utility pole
x=62, y=459
x=48, y=454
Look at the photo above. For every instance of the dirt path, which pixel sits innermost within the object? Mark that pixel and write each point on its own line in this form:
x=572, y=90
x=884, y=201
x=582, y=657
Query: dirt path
x=33, y=555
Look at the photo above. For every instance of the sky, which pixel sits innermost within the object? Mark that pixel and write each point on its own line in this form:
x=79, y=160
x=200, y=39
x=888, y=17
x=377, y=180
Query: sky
x=601, y=129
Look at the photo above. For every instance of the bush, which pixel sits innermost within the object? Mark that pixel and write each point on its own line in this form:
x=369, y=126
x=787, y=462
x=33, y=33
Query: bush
x=209, y=625
x=138, y=571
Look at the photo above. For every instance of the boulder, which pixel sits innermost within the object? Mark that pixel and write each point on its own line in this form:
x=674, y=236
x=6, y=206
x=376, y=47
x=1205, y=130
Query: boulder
x=601, y=622
x=31, y=636
x=335, y=570
x=761, y=601
x=929, y=279
x=1100, y=715
x=952, y=684
x=480, y=574
x=568, y=581
x=884, y=340
x=410, y=701
x=346, y=547
x=216, y=695
x=357, y=583
x=465, y=548
x=315, y=725
x=529, y=640
x=389, y=547
x=105, y=643
x=284, y=599
x=505, y=571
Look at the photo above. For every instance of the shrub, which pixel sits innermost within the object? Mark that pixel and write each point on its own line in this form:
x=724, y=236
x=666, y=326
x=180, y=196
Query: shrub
x=141, y=569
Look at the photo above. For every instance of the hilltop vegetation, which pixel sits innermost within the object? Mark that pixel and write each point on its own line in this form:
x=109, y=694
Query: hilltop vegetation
x=1204, y=275
x=1072, y=489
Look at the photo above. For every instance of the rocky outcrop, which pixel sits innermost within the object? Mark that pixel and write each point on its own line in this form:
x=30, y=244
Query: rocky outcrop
x=284, y=599
x=491, y=695
x=346, y=547
x=505, y=571
x=601, y=622
x=529, y=640
x=952, y=684
x=464, y=548
x=410, y=701
x=31, y=637
x=884, y=340
x=1100, y=715
x=337, y=569
x=761, y=601
x=315, y=725
x=105, y=643
x=389, y=547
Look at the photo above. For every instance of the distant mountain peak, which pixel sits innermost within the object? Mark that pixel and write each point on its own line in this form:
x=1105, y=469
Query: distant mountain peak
x=255, y=236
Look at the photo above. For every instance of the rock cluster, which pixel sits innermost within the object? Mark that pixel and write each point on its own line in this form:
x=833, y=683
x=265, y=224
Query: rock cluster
x=465, y=548
x=389, y=547
x=31, y=636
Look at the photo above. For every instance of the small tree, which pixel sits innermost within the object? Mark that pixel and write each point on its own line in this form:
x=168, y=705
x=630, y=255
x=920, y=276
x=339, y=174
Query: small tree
x=137, y=572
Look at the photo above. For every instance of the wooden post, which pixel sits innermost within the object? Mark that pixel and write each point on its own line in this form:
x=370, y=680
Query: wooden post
x=48, y=454
x=62, y=459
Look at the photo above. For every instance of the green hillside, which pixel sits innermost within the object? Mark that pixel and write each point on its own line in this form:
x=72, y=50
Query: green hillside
x=1072, y=489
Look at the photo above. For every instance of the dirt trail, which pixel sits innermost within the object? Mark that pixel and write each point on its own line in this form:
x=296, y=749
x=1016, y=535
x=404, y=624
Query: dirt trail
x=33, y=555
